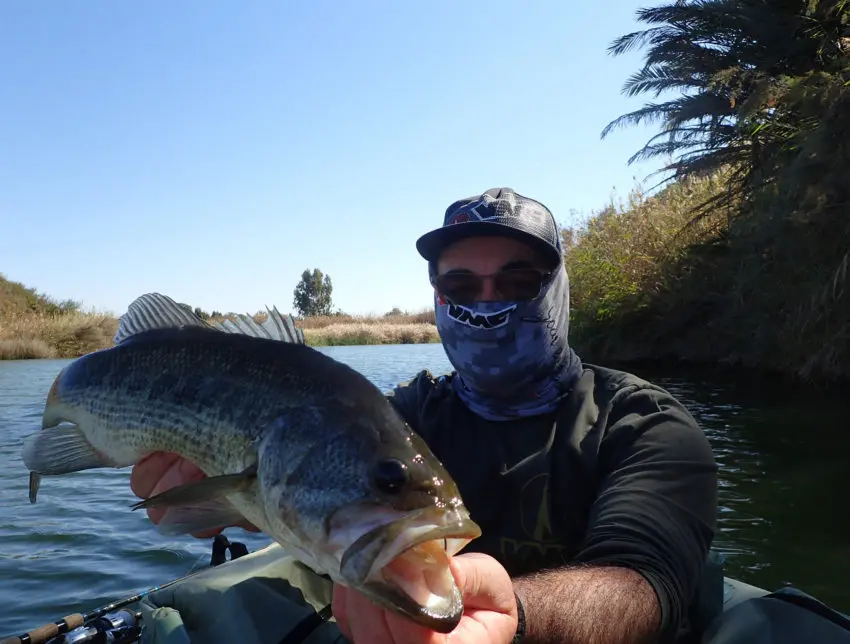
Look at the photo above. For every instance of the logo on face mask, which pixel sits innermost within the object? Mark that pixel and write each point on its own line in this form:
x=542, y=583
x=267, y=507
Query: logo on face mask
x=469, y=317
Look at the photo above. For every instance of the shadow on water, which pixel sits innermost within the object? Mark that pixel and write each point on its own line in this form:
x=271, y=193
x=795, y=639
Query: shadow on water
x=783, y=474
x=783, y=456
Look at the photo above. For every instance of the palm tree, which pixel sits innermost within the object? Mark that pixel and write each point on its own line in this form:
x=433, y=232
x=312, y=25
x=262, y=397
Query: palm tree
x=753, y=76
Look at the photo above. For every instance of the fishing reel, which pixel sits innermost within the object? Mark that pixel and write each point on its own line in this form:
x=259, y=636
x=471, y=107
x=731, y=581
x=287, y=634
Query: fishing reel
x=119, y=627
x=107, y=624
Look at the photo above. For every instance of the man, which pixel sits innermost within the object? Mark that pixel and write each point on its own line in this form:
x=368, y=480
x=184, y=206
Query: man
x=596, y=491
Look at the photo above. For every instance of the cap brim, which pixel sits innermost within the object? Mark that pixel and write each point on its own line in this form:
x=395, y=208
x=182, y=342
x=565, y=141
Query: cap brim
x=432, y=243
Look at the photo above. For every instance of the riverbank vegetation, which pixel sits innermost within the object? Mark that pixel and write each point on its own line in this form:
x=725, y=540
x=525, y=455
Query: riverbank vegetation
x=395, y=327
x=742, y=256
x=34, y=325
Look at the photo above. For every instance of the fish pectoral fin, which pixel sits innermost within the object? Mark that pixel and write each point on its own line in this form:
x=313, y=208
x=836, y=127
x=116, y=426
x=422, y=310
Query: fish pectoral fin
x=59, y=450
x=200, y=505
x=208, y=489
x=218, y=513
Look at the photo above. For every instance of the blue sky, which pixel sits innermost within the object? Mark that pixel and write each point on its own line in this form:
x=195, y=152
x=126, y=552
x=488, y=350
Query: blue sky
x=214, y=150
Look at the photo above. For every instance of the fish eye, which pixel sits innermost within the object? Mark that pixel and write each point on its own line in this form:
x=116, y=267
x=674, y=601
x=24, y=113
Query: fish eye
x=389, y=475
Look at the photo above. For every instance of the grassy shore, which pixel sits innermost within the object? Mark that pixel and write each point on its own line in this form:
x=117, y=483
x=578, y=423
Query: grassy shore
x=30, y=334
x=54, y=335
x=649, y=283
x=333, y=330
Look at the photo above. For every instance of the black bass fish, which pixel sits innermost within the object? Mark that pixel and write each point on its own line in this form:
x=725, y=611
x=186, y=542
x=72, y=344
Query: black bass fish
x=299, y=444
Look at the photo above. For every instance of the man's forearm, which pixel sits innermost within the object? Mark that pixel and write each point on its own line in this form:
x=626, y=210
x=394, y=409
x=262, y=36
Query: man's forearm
x=588, y=605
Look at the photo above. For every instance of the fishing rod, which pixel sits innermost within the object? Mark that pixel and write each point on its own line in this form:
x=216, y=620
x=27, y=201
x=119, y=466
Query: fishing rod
x=44, y=634
x=109, y=624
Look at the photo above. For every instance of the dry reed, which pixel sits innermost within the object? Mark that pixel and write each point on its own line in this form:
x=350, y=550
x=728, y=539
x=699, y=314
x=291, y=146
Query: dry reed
x=54, y=335
x=349, y=333
x=29, y=335
x=25, y=349
x=322, y=321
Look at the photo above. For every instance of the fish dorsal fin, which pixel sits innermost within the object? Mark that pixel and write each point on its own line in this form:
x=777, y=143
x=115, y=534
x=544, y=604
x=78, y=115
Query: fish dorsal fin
x=276, y=327
x=157, y=311
x=154, y=311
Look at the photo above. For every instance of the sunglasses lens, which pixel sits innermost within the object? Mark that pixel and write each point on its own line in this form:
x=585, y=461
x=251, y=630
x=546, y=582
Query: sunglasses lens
x=513, y=284
x=459, y=288
x=519, y=283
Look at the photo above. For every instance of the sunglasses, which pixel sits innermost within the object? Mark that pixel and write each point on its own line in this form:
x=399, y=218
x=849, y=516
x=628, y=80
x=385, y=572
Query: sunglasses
x=462, y=287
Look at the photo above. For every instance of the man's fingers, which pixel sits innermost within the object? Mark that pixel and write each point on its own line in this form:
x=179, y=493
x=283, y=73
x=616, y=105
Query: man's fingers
x=159, y=472
x=178, y=472
x=146, y=473
x=484, y=583
x=339, y=608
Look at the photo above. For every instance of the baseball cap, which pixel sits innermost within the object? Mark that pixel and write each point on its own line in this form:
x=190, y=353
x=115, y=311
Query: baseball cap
x=498, y=211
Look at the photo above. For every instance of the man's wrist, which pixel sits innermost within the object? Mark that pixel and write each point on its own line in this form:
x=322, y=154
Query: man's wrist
x=519, y=636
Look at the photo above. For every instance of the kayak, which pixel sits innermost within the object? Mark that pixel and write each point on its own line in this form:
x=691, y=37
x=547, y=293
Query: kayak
x=736, y=592
x=250, y=602
x=753, y=615
x=727, y=610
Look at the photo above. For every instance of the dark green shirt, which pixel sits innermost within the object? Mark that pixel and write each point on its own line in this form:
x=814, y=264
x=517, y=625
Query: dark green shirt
x=625, y=476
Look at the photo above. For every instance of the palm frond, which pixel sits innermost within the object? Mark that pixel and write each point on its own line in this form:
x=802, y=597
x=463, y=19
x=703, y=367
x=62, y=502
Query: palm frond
x=649, y=113
x=658, y=78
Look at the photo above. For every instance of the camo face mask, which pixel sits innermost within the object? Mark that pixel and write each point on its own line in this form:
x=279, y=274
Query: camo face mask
x=512, y=358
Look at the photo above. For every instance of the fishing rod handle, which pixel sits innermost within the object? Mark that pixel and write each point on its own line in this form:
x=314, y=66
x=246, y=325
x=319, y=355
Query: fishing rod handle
x=44, y=633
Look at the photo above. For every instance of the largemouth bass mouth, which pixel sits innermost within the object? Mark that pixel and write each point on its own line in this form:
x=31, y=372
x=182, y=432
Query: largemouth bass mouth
x=299, y=444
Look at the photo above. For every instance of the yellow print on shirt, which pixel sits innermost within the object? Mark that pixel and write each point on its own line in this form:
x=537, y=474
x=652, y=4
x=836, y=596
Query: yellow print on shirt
x=539, y=544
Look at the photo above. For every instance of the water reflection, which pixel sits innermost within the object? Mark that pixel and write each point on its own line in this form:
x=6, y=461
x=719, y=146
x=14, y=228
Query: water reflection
x=783, y=462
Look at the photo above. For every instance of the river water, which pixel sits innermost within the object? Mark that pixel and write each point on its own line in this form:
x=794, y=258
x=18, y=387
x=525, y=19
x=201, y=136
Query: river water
x=783, y=518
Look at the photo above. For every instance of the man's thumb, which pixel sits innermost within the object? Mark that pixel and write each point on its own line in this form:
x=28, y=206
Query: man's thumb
x=484, y=583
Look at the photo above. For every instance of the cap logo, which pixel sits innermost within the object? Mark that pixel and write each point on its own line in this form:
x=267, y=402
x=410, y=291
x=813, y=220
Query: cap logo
x=476, y=211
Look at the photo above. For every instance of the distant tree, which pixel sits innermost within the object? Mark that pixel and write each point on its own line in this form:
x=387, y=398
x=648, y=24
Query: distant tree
x=313, y=294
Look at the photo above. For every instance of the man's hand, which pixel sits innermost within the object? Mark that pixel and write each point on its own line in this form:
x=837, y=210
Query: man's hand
x=162, y=471
x=490, y=611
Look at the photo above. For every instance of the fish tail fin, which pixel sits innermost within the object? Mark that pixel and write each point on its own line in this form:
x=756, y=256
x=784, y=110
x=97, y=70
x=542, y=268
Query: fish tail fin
x=35, y=483
x=59, y=450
